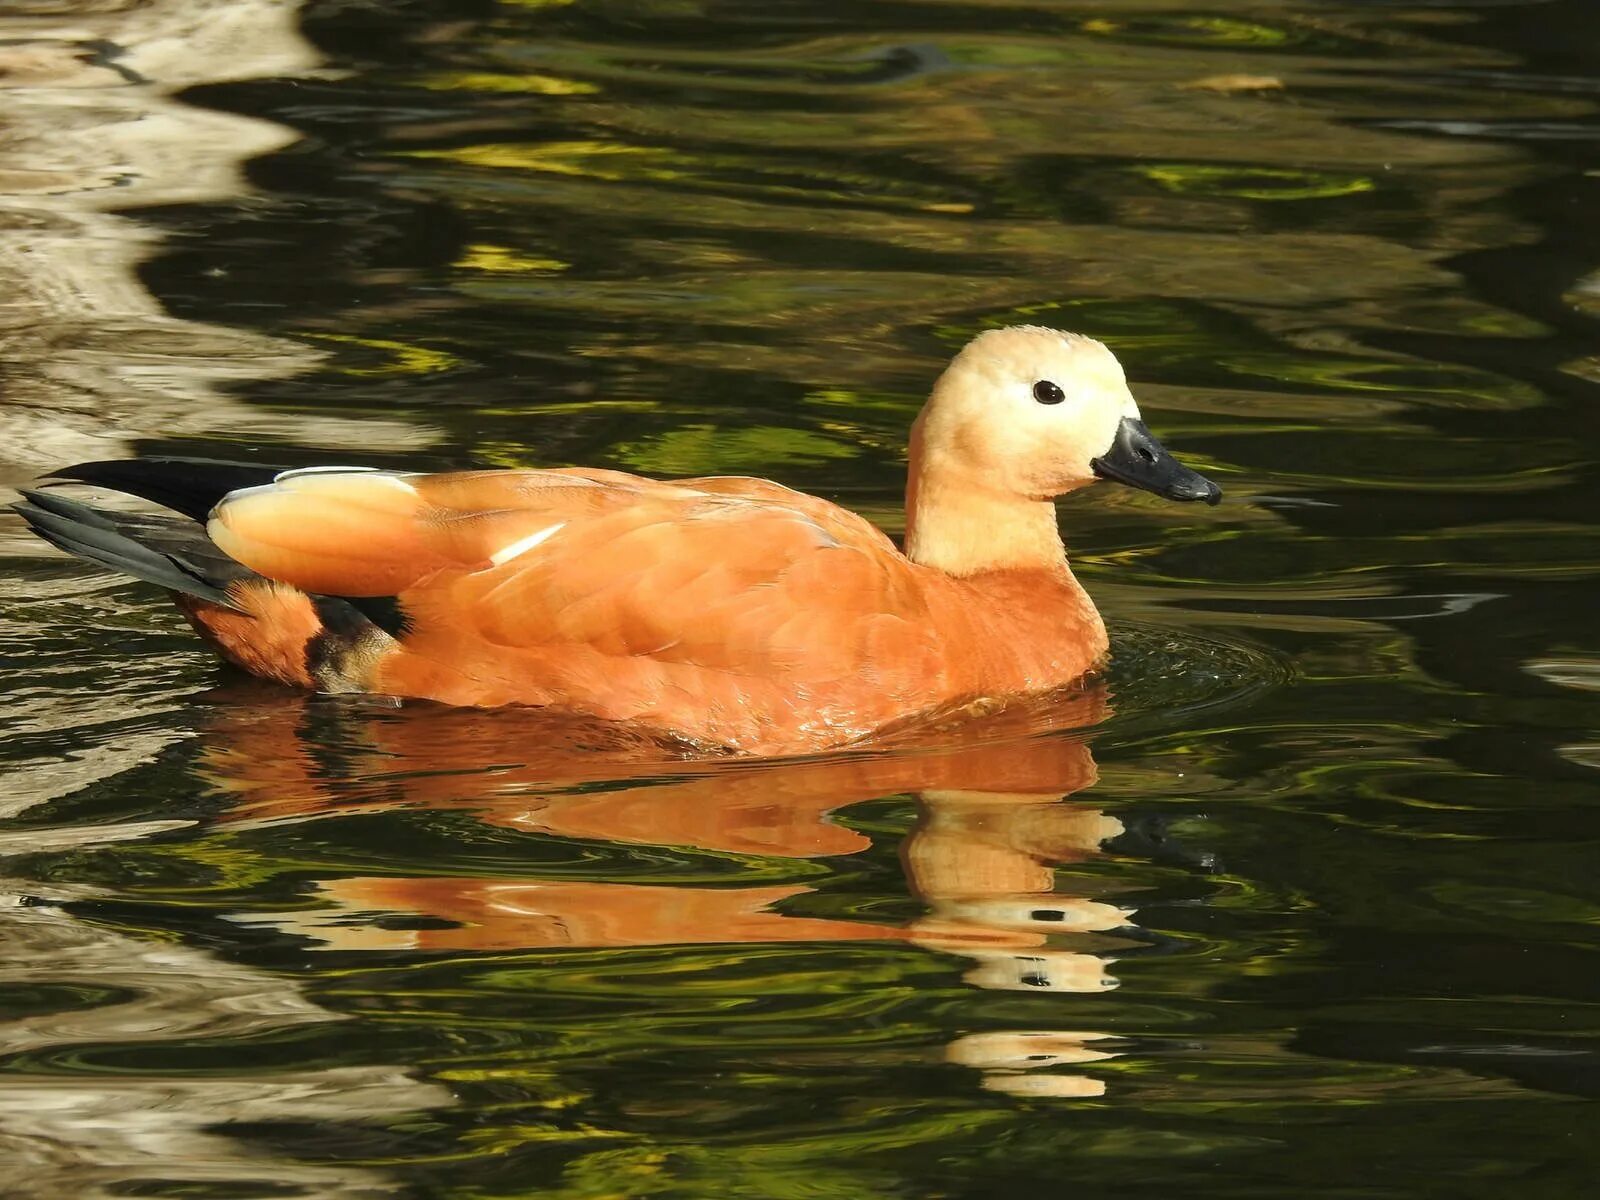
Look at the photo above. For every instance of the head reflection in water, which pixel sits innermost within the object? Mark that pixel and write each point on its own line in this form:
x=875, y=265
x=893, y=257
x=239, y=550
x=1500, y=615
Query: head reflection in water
x=995, y=819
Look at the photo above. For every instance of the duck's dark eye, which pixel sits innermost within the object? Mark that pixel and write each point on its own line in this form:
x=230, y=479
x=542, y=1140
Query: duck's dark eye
x=1046, y=392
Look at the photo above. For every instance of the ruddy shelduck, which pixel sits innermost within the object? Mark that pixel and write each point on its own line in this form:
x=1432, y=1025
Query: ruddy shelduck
x=730, y=612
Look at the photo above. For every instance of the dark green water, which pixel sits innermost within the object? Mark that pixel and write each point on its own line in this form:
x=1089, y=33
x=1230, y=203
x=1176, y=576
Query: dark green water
x=1314, y=911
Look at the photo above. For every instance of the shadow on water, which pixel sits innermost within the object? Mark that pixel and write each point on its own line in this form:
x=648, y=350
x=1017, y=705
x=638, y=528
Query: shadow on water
x=1300, y=899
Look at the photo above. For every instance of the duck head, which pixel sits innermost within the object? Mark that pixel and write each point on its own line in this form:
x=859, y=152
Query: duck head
x=1040, y=413
x=1023, y=415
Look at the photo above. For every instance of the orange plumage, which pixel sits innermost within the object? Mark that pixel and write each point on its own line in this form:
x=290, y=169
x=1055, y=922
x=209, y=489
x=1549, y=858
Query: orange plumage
x=731, y=612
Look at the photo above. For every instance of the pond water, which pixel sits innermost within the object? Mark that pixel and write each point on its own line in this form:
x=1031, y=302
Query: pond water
x=1303, y=900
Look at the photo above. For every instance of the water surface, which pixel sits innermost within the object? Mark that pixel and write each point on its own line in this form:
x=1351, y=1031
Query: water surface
x=1301, y=900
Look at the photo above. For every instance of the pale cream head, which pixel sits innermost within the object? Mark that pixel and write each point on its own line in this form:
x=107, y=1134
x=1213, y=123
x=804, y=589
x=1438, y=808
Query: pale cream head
x=1021, y=416
x=985, y=421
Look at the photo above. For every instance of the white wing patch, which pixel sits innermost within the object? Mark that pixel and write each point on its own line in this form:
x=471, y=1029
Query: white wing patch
x=373, y=473
x=298, y=471
x=522, y=545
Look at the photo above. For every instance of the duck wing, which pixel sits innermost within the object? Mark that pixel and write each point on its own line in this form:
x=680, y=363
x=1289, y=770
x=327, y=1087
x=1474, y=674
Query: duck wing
x=605, y=592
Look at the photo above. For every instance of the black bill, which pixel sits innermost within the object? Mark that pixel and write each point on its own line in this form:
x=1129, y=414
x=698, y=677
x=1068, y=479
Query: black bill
x=1136, y=458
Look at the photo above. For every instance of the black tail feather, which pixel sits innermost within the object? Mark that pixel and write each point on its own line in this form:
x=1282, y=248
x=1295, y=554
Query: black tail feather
x=165, y=551
x=191, y=486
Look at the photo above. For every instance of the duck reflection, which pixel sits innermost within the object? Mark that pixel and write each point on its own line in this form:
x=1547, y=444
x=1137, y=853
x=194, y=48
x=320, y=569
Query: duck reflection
x=994, y=823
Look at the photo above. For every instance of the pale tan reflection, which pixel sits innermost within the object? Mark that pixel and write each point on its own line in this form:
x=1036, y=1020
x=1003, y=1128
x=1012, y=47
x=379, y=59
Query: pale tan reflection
x=88, y=357
x=89, y=1133
x=994, y=824
x=984, y=863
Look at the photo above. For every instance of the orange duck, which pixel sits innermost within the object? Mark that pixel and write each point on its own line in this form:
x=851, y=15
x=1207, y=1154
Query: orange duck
x=729, y=612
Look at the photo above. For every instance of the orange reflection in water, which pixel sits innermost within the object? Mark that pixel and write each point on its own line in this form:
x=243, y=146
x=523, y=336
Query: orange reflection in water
x=994, y=822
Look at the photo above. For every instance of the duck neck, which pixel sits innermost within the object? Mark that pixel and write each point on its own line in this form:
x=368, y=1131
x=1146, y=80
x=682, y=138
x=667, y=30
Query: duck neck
x=958, y=526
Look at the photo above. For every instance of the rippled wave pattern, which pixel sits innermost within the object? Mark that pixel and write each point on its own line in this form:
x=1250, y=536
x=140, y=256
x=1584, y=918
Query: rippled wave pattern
x=1300, y=900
